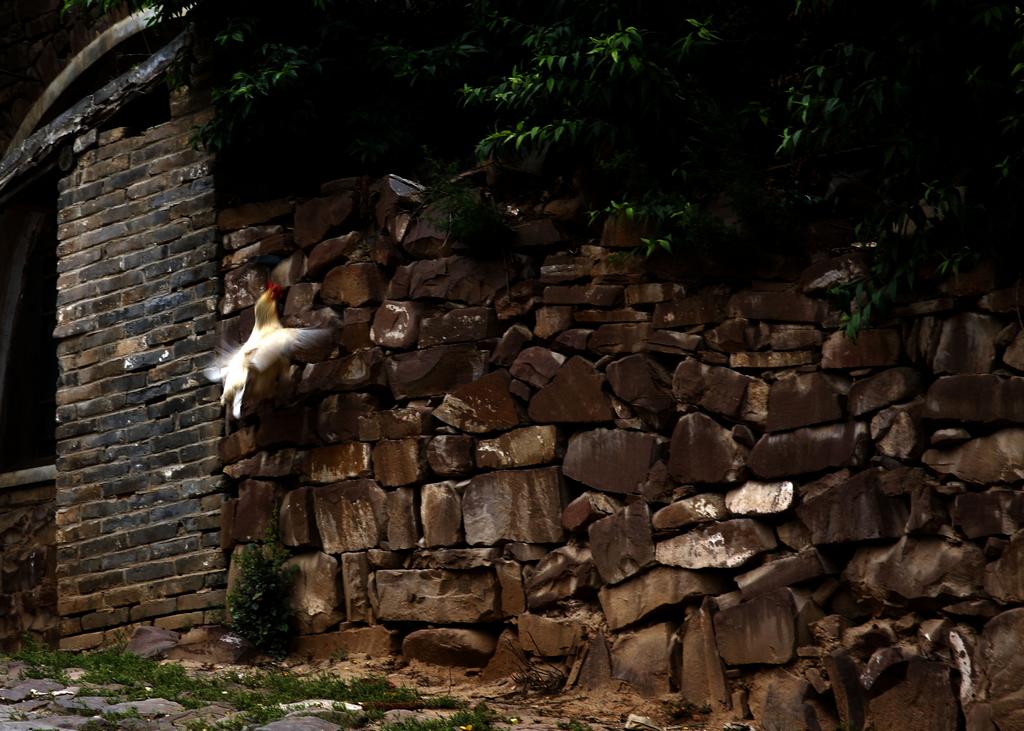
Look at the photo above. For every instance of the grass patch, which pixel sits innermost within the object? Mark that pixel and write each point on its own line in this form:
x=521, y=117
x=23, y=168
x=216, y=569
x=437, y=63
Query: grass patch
x=476, y=719
x=257, y=694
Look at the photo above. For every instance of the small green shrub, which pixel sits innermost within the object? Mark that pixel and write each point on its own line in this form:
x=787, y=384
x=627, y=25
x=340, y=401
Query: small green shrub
x=260, y=602
x=468, y=214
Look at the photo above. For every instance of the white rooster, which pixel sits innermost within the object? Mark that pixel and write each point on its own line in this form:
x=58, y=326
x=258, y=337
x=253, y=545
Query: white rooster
x=264, y=356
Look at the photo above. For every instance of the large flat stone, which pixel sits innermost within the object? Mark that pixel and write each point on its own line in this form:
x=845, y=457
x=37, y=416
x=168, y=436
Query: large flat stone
x=315, y=596
x=531, y=445
x=355, y=583
x=922, y=700
x=811, y=449
x=802, y=400
x=338, y=462
x=642, y=657
x=759, y=631
x=399, y=461
x=998, y=457
x=461, y=325
x=297, y=519
x=451, y=455
x=362, y=369
x=697, y=310
x=760, y=498
x=1004, y=577
x=450, y=646
x=353, y=285
x=704, y=452
x=721, y=391
x=689, y=511
x=642, y=383
x=484, y=405
x=437, y=595
x=983, y=398
x=854, y=510
x=785, y=571
x=613, y=460
x=403, y=519
x=966, y=344
x=573, y=396
x=453, y=278
x=376, y=641
x=660, y=587
x=783, y=306
x=441, y=514
x=396, y=324
x=514, y=505
x=434, y=371
x=564, y=573
x=870, y=348
x=990, y=513
x=917, y=568
x=725, y=545
x=548, y=637
x=621, y=543
x=701, y=679
x=338, y=416
x=1000, y=666
x=350, y=515
x=883, y=389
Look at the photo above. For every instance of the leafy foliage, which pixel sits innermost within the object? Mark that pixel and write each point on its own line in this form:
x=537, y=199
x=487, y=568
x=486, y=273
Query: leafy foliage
x=905, y=118
x=260, y=601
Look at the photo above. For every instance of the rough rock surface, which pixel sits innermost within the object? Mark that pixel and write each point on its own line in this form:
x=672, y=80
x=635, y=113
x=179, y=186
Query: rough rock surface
x=514, y=505
x=759, y=631
x=810, y=449
x=469, y=648
x=531, y=445
x=351, y=515
x=703, y=451
x=998, y=457
x=437, y=595
x=646, y=593
x=728, y=544
x=613, y=460
x=621, y=543
x=915, y=568
x=574, y=395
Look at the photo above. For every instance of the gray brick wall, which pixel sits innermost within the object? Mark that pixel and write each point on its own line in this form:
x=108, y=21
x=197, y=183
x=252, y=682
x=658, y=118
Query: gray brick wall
x=138, y=502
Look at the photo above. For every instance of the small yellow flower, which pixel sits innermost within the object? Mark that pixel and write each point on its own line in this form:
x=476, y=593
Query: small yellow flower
x=467, y=727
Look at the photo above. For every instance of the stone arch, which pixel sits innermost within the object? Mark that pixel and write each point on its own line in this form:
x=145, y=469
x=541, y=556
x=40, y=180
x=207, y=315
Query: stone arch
x=97, y=49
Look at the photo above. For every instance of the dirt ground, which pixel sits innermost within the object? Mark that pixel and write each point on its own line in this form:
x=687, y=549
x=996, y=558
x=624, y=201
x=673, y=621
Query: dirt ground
x=606, y=708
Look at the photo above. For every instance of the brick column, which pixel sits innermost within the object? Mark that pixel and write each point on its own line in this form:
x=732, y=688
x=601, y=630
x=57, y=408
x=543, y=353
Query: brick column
x=138, y=502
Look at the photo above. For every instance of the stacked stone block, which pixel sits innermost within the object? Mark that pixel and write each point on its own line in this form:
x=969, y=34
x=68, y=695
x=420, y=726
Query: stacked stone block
x=138, y=423
x=689, y=483
x=28, y=555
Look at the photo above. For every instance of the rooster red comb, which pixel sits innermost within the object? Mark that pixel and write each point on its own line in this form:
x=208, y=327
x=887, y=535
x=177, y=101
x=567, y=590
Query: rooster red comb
x=274, y=289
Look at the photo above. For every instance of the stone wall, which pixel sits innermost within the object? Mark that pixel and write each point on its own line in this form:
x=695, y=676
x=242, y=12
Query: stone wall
x=634, y=473
x=28, y=555
x=138, y=423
